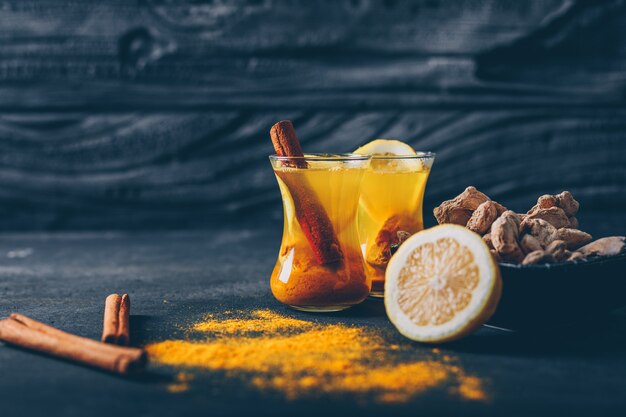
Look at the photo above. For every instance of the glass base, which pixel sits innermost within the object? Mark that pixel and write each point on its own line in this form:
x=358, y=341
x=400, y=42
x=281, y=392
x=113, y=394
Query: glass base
x=320, y=309
x=377, y=294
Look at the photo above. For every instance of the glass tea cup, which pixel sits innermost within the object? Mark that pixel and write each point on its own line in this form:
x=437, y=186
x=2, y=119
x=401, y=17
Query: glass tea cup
x=392, y=194
x=320, y=265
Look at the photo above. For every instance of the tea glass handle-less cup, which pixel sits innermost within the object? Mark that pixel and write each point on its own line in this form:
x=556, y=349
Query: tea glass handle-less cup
x=392, y=194
x=320, y=265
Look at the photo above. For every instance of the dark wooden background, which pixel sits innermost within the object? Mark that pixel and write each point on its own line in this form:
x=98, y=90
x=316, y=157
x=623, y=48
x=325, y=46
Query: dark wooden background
x=154, y=114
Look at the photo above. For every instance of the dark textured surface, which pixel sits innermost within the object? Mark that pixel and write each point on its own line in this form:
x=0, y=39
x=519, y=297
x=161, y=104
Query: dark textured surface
x=176, y=278
x=155, y=114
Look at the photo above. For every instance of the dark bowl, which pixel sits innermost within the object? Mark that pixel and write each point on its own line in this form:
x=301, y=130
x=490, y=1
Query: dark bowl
x=537, y=297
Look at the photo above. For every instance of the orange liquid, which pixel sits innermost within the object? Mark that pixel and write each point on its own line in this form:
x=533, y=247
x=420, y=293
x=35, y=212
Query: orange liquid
x=392, y=193
x=298, y=279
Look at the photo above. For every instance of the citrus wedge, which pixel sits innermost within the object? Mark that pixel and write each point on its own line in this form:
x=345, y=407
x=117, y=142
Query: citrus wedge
x=385, y=147
x=441, y=284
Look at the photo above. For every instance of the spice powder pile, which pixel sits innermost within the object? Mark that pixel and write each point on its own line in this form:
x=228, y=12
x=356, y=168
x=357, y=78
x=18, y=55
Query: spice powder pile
x=306, y=359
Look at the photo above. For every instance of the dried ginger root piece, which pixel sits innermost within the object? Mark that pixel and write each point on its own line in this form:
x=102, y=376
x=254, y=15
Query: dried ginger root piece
x=536, y=257
x=514, y=216
x=459, y=210
x=483, y=217
x=392, y=233
x=556, y=209
x=499, y=208
x=402, y=236
x=607, y=246
x=573, y=238
x=553, y=215
x=496, y=256
x=549, y=231
x=543, y=231
x=529, y=243
x=378, y=255
x=547, y=201
x=575, y=256
x=487, y=240
x=558, y=250
x=504, y=235
x=566, y=201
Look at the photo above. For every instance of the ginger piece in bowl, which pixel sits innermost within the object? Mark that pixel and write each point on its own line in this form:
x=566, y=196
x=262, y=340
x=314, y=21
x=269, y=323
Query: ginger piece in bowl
x=460, y=209
x=547, y=233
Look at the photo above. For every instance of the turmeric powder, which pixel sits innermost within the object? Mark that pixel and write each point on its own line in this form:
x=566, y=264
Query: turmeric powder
x=304, y=359
x=302, y=282
x=180, y=383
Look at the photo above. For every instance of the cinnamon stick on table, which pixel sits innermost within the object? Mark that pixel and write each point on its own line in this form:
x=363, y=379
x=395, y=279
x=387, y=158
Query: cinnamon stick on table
x=116, y=327
x=312, y=217
x=25, y=332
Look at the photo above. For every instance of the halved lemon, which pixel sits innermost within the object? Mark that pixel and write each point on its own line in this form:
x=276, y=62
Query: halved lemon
x=385, y=147
x=441, y=284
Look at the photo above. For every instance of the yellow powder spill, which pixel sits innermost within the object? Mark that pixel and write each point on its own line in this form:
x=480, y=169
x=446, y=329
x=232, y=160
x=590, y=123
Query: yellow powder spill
x=261, y=321
x=181, y=383
x=305, y=359
x=471, y=388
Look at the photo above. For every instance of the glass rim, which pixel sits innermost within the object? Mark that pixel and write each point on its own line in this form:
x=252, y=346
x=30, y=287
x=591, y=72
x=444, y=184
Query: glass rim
x=324, y=157
x=418, y=155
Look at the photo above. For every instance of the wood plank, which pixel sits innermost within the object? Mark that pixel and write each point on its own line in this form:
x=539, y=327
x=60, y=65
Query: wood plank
x=120, y=114
x=175, y=170
x=164, y=56
x=424, y=26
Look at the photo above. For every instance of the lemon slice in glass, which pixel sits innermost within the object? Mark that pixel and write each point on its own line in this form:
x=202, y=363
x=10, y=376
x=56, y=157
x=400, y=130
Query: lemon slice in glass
x=441, y=284
x=385, y=147
x=386, y=150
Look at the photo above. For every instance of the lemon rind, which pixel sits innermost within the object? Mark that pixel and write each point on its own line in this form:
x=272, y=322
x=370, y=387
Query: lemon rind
x=387, y=144
x=475, y=314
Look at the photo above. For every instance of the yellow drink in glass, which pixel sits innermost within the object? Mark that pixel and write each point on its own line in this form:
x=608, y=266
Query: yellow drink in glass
x=392, y=193
x=320, y=190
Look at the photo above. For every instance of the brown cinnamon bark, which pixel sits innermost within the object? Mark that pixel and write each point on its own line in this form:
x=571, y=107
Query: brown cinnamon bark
x=115, y=328
x=123, y=328
x=312, y=217
x=111, y=318
x=286, y=141
x=25, y=332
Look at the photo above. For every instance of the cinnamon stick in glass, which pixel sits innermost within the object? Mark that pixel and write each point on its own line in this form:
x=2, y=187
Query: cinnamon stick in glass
x=312, y=217
x=25, y=332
